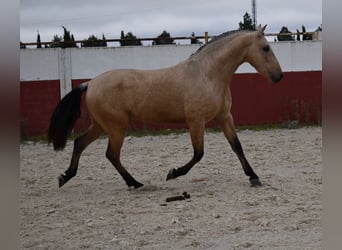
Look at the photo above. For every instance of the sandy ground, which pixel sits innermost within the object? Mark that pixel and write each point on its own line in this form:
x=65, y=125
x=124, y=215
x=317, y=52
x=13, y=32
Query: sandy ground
x=96, y=210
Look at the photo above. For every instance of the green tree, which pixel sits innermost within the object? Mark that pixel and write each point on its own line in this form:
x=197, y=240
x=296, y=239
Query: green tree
x=39, y=43
x=68, y=39
x=104, y=42
x=93, y=41
x=129, y=39
x=56, y=42
x=122, y=36
x=163, y=38
x=247, y=23
x=286, y=37
x=306, y=36
x=298, y=35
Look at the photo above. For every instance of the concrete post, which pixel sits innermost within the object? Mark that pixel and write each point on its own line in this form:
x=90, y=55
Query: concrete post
x=64, y=71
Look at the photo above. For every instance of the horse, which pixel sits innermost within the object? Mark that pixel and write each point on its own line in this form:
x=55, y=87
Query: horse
x=194, y=91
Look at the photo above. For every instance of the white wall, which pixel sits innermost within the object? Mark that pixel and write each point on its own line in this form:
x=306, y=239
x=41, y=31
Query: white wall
x=39, y=64
x=90, y=62
x=294, y=56
x=86, y=63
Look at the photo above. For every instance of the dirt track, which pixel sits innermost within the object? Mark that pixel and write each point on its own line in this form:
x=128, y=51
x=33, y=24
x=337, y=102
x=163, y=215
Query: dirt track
x=95, y=210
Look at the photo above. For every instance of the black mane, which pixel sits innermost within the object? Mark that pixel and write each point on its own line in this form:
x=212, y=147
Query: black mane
x=215, y=38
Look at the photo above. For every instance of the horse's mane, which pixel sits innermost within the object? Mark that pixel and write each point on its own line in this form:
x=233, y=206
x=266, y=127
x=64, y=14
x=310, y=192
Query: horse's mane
x=218, y=37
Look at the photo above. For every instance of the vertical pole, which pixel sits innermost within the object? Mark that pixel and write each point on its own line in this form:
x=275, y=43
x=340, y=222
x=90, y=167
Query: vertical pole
x=206, y=38
x=64, y=71
x=254, y=14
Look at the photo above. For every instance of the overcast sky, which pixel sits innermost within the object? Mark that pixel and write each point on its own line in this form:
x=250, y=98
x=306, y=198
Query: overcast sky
x=148, y=18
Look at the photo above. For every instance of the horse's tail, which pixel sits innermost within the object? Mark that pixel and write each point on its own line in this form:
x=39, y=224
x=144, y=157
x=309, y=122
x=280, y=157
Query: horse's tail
x=65, y=116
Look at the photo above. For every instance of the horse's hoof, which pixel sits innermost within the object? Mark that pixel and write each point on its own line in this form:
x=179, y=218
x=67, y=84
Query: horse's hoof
x=171, y=174
x=255, y=183
x=61, y=181
x=138, y=185
x=134, y=184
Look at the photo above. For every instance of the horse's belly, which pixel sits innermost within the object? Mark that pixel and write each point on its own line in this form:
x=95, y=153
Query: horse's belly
x=160, y=115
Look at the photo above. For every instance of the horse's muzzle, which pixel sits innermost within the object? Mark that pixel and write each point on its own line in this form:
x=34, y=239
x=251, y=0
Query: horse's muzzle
x=276, y=77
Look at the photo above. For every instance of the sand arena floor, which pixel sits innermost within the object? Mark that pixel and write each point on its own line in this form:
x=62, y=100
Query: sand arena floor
x=95, y=210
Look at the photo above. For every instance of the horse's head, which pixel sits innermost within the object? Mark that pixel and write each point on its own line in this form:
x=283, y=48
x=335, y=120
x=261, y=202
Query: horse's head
x=262, y=58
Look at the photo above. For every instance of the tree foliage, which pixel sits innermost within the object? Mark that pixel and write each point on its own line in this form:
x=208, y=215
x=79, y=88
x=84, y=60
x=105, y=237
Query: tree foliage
x=286, y=37
x=247, y=23
x=163, y=38
x=104, y=40
x=306, y=36
x=129, y=39
x=93, y=41
x=39, y=43
x=67, y=41
x=56, y=42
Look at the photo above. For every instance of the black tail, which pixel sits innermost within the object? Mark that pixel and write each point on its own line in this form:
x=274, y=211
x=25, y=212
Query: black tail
x=64, y=117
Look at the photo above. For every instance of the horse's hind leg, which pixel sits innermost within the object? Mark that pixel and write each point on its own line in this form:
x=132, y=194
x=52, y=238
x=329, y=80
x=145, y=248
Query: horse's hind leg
x=197, y=139
x=116, y=139
x=228, y=127
x=79, y=145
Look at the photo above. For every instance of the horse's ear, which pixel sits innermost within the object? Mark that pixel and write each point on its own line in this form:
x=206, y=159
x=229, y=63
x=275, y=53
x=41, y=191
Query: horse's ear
x=261, y=29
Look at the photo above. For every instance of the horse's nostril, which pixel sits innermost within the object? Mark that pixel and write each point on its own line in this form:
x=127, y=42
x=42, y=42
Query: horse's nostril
x=276, y=78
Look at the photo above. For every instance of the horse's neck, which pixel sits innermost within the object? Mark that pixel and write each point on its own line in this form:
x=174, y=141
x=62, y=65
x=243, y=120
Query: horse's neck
x=221, y=60
x=227, y=59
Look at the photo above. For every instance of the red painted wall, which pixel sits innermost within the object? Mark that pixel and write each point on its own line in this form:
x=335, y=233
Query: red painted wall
x=37, y=102
x=298, y=96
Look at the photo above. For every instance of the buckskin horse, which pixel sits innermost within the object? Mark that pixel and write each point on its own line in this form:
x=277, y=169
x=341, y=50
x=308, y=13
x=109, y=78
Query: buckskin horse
x=194, y=91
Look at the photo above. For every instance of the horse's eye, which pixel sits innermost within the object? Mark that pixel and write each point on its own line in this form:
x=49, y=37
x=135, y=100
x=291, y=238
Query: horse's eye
x=266, y=48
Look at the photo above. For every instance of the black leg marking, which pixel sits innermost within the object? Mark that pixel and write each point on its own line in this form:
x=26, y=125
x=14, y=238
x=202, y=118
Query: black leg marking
x=175, y=172
x=237, y=148
x=255, y=182
x=66, y=176
x=72, y=170
x=130, y=181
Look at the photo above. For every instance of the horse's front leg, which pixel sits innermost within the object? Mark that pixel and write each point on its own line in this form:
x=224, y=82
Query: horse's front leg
x=197, y=139
x=227, y=124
